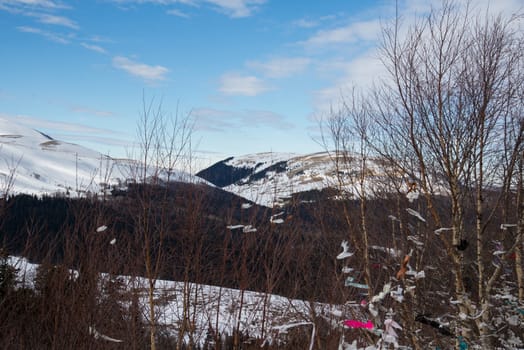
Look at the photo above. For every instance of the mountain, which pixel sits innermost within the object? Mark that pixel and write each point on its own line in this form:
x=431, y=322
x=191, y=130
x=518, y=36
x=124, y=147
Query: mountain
x=242, y=169
x=35, y=163
x=272, y=178
x=32, y=162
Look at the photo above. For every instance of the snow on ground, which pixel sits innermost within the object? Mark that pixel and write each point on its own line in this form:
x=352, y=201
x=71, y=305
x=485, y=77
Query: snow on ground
x=26, y=272
x=43, y=165
x=212, y=304
x=259, y=161
x=302, y=173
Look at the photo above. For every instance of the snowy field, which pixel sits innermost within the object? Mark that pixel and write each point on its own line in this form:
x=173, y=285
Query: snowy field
x=215, y=306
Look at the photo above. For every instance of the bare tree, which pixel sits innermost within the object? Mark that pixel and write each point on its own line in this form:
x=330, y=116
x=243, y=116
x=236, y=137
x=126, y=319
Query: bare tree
x=453, y=95
x=163, y=143
x=447, y=122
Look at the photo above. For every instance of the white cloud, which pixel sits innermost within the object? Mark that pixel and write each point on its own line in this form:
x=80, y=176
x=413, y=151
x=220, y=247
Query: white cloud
x=46, y=34
x=91, y=111
x=363, y=68
x=141, y=70
x=99, y=39
x=507, y=7
x=177, y=13
x=255, y=118
x=94, y=48
x=157, y=2
x=237, y=8
x=42, y=4
x=232, y=8
x=356, y=31
x=362, y=71
x=243, y=85
x=305, y=23
x=41, y=10
x=210, y=119
x=281, y=67
x=57, y=20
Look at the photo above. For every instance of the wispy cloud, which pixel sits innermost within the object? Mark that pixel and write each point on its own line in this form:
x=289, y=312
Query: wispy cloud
x=361, y=70
x=43, y=11
x=361, y=66
x=32, y=4
x=305, y=23
x=280, y=67
x=232, y=8
x=255, y=118
x=210, y=119
x=177, y=13
x=94, y=48
x=91, y=111
x=237, y=8
x=59, y=38
x=99, y=39
x=242, y=85
x=357, y=31
x=57, y=20
x=38, y=123
x=141, y=70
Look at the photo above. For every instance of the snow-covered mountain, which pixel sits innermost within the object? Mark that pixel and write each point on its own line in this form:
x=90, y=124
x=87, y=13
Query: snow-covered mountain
x=271, y=178
x=36, y=163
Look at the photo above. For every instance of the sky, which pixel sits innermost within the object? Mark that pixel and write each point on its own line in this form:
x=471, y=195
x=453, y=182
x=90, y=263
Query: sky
x=252, y=75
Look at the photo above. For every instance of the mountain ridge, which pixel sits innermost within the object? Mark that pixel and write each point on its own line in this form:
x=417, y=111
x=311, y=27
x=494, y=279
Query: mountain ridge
x=33, y=162
x=272, y=178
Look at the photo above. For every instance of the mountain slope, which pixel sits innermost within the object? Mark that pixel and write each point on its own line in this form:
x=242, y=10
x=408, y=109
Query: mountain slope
x=271, y=178
x=242, y=169
x=33, y=162
x=274, y=178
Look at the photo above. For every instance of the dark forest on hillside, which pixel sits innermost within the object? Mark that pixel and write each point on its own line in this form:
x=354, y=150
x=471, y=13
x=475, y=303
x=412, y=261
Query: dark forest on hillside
x=296, y=258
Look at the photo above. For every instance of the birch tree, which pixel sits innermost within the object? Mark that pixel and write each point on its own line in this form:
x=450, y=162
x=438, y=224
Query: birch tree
x=163, y=145
x=453, y=105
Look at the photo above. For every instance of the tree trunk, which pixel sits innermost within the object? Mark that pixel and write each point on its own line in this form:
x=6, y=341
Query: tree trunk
x=520, y=231
x=151, y=302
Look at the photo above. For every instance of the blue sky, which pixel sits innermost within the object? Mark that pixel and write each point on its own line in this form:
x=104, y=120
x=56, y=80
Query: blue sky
x=255, y=75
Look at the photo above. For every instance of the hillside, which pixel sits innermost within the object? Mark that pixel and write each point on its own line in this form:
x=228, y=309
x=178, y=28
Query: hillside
x=32, y=162
x=273, y=178
x=219, y=306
